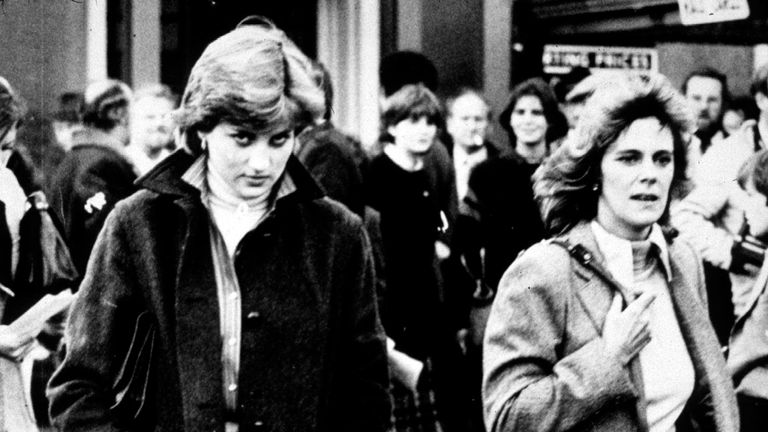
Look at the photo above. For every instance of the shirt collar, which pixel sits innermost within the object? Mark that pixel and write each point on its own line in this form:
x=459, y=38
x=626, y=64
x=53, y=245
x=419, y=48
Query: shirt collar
x=618, y=252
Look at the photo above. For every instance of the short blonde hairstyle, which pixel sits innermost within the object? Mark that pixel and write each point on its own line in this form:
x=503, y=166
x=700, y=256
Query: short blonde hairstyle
x=253, y=77
x=563, y=184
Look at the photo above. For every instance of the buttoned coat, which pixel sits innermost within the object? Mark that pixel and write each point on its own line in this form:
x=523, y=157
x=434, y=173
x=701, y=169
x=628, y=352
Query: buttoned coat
x=313, y=354
x=544, y=359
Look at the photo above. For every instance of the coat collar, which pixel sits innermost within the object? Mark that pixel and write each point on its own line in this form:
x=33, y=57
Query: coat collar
x=595, y=295
x=166, y=178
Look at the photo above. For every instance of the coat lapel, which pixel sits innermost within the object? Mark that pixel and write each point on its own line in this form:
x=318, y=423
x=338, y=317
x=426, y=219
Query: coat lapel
x=595, y=295
x=708, y=361
x=198, y=338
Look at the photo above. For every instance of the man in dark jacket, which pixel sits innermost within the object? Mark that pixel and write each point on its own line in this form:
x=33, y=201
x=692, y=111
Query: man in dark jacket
x=95, y=174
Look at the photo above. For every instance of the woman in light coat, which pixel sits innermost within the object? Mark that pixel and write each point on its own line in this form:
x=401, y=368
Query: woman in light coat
x=604, y=327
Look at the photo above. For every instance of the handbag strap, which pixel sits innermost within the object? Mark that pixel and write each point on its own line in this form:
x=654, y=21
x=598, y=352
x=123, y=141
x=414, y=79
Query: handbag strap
x=586, y=259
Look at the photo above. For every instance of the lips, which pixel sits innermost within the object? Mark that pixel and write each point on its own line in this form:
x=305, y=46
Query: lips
x=645, y=197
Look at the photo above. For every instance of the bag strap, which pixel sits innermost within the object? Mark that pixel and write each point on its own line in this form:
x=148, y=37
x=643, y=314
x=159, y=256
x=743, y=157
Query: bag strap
x=587, y=260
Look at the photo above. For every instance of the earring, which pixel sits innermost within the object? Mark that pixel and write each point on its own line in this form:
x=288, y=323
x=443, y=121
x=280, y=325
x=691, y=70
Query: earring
x=595, y=187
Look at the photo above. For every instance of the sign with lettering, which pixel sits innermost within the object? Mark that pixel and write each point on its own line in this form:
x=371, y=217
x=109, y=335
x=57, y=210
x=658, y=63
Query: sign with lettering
x=560, y=59
x=694, y=12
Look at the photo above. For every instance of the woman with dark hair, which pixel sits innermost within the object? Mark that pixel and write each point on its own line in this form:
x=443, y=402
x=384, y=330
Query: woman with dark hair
x=253, y=292
x=411, y=206
x=604, y=327
x=500, y=198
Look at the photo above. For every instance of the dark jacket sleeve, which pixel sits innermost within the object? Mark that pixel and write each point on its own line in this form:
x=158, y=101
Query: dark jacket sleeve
x=365, y=402
x=97, y=336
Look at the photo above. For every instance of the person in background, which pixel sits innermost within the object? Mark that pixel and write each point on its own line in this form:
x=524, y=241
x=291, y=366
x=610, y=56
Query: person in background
x=570, y=104
x=67, y=118
x=334, y=159
x=23, y=406
x=151, y=127
x=95, y=174
x=38, y=143
x=500, y=197
x=408, y=67
x=706, y=90
x=711, y=216
x=467, y=120
x=423, y=349
x=603, y=327
x=748, y=348
x=467, y=123
x=738, y=111
x=260, y=290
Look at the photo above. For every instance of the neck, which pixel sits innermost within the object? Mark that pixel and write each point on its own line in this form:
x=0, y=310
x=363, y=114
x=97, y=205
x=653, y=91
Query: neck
x=625, y=232
x=532, y=152
x=403, y=158
x=222, y=191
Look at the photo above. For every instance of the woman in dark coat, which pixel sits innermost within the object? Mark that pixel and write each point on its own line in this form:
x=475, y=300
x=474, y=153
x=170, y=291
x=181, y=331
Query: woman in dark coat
x=257, y=291
x=604, y=328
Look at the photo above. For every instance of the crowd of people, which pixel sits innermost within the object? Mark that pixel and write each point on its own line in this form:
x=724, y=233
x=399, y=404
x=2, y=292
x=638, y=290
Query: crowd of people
x=242, y=264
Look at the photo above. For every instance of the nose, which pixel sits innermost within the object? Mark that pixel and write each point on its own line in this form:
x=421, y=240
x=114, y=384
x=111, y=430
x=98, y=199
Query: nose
x=649, y=171
x=258, y=156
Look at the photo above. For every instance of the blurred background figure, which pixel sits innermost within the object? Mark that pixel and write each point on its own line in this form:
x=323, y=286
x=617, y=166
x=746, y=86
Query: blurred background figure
x=707, y=93
x=151, y=127
x=739, y=110
x=748, y=345
x=500, y=196
x=426, y=388
x=563, y=86
x=95, y=173
x=711, y=216
x=67, y=118
x=335, y=159
x=37, y=141
x=22, y=240
x=502, y=218
x=467, y=122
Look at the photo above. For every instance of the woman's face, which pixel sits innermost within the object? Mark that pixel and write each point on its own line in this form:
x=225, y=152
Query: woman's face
x=7, y=143
x=637, y=171
x=414, y=135
x=528, y=121
x=250, y=162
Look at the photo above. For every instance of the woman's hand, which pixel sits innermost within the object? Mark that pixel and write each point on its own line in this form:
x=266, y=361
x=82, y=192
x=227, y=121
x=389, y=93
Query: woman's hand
x=626, y=332
x=12, y=345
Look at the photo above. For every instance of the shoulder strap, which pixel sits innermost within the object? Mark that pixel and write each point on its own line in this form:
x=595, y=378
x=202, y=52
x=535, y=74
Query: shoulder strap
x=586, y=259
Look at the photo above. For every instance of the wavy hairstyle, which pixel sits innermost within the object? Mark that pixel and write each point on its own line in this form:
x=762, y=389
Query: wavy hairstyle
x=253, y=77
x=557, y=125
x=563, y=184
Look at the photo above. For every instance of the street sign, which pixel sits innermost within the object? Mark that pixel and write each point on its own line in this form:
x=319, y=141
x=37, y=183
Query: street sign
x=560, y=59
x=693, y=12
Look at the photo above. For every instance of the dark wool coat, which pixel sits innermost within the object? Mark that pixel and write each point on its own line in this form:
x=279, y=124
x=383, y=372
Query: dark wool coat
x=545, y=369
x=500, y=199
x=337, y=162
x=88, y=183
x=313, y=354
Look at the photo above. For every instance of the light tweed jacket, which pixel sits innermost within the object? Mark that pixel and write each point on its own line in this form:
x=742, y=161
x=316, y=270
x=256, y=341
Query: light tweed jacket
x=544, y=365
